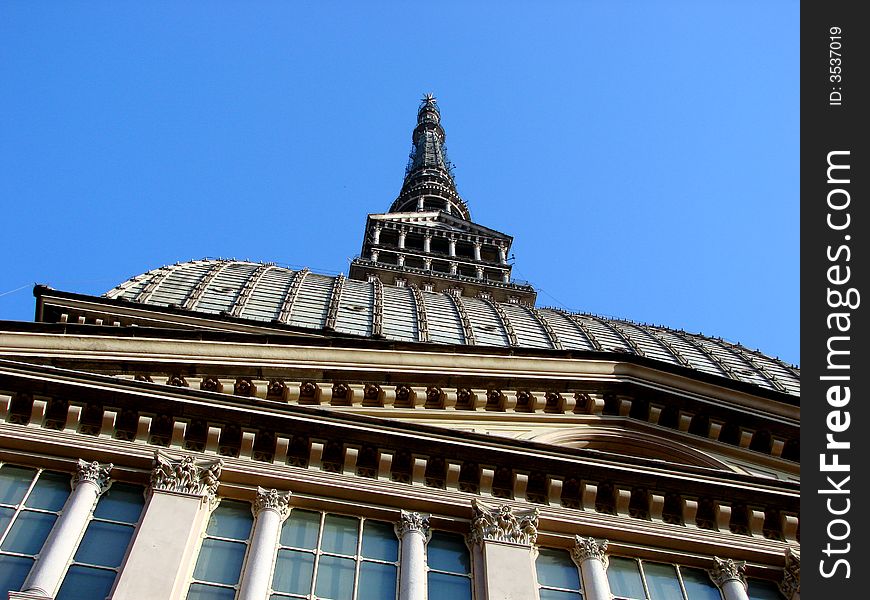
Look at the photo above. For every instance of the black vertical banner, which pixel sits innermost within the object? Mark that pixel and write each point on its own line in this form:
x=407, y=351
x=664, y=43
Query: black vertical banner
x=835, y=299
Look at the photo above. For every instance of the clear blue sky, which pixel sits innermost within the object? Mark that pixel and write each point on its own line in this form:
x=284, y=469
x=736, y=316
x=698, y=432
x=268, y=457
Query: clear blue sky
x=644, y=155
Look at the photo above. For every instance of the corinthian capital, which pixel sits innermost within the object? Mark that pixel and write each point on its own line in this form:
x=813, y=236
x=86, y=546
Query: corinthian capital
x=728, y=570
x=92, y=472
x=412, y=522
x=184, y=475
x=791, y=578
x=503, y=524
x=586, y=548
x=272, y=499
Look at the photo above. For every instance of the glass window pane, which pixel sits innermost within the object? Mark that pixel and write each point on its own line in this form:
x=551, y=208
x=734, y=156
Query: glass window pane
x=28, y=532
x=231, y=520
x=85, y=582
x=14, y=482
x=698, y=584
x=447, y=552
x=13, y=570
x=661, y=581
x=50, y=492
x=5, y=518
x=558, y=595
x=452, y=587
x=760, y=589
x=199, y=591
x=335, y=578
x=340, y=534
x=556, y=569
x=293, y=571
x=220, y=561
x=300, y=529
x=380, y=541
x=624, y=578
x=377, y=582
x=104, y=544
x=121, y=502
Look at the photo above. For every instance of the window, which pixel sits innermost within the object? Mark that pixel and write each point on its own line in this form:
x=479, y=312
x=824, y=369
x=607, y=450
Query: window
x=30, y=500
x=324, y=555
x=631, y=579
x=558, y=577
x=95, y=564
x=449, y=567
x=763, y=589
x=222, y=553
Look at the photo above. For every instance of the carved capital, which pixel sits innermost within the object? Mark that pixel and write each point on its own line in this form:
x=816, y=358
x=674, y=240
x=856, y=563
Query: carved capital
x=412, y=522
x=728, y=570
x=503, y=524
x=272, y=499
x=586, y=548
x=791, y=578
x=185, y=475
x=92, y=472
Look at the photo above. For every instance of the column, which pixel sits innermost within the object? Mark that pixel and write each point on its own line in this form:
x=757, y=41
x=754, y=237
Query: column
x=180, y=499
x=270, y=509
x=502, y=254
x=427, y=243
x=503, y=547
x=421, y=203
x=480, y=272
x=454, y=267
x=477, y=245
x=590, y=557
x=402, y=239
x=427, y=264
x=451, y=245
x=791, y=578
x=375, y=255
x=89, y=481
x=505, y=277
x=376, y=235
x=729, y=576
x=400, y=260
x=413, y=531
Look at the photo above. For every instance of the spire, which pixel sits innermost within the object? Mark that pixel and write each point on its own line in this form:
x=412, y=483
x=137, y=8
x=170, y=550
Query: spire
x=429, y=183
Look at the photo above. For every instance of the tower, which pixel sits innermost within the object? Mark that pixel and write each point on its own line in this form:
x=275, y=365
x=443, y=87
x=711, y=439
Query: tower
x=427, y=238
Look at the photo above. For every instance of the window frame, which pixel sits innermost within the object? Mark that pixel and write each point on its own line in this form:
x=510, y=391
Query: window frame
x=317, y=552
x=677, y=569
x=205, y=535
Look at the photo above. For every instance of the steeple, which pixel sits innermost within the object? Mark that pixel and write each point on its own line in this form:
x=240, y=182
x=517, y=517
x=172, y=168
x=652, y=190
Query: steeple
x=429, y=183
x=427, y=240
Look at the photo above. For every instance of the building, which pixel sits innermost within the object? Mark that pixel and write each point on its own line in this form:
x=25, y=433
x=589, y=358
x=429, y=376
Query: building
x=418, y=429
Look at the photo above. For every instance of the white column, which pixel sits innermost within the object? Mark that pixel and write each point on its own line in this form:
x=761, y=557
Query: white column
x=477, y=250
x=402, y=239
x=270, y=509
x=729, y=576
x=453, y=268
x=376, y=235
x=451, y=244
x=161, y=556
x=502, y=254
x=791, y=578
x=590, y=557
x=421, y=203
x=90, y=480
x=480, y=272
x=505, y=277
x=503, y=540
x=427, y=264
x=427, y=243
x=375, y=255
x=413, y=531
x=400, y=260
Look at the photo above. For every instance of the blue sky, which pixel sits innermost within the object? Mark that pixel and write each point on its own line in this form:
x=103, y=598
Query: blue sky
x=644, y=155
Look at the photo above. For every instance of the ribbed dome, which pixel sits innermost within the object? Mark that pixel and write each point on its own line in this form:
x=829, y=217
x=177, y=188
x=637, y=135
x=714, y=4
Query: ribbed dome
x=266, y=292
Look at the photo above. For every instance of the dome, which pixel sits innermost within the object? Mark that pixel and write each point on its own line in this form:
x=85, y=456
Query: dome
x=269, y=293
